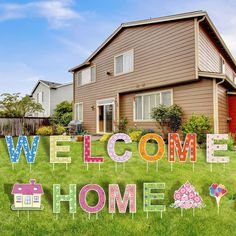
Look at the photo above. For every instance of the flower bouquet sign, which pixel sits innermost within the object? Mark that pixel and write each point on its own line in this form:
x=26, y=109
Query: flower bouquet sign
x=187, y=198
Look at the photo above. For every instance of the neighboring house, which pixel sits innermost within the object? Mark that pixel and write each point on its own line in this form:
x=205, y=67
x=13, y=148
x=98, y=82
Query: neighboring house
x=179, y=59
x=49, y=94
x=27, y=195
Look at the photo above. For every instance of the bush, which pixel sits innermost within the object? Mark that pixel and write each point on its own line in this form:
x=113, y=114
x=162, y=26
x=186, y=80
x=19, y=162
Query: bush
x=199, y=124
x=63, y=113
x=135, y=135
x=229, y=142
x=60, y=130
x=105, y=137
x=45, y=130
x=168, y=118
x=122, y=126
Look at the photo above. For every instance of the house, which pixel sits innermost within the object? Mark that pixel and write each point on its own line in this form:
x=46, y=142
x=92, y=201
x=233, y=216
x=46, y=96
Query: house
x=27, y=195
x=178, y=59
x=50, y=94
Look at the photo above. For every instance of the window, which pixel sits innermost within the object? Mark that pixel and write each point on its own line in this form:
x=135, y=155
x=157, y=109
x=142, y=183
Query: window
x=86, y=76
x=146, y=102
x=36, y=198
x=18, y=199
x=79, y=111
x=40, y=97
x=27, y=200
x=124, y=63
x=222, y=66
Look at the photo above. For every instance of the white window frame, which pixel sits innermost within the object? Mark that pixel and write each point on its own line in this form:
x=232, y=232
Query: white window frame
x=90, y=68
x=103, y=102
x=122, y=54
x=18, y=198
x=28, y=200
x=76, y=112
x=222, y=65
x=36, y=198
x=151, y=93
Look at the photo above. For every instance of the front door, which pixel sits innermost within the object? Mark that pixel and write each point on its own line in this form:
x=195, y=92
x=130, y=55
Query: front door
x=105, y=116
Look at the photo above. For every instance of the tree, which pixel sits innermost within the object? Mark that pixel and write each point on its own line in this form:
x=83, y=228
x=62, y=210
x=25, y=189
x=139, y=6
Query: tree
x=63, y=113
x=13, y=105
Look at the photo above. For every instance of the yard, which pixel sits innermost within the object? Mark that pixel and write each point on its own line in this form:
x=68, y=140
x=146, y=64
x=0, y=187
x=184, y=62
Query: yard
x=205, y=222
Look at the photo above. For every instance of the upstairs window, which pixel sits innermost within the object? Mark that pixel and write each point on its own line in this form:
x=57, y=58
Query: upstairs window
x=144, y=104
x=124, y=63
x=86, y=76
x=40, y=97
x=222, y=66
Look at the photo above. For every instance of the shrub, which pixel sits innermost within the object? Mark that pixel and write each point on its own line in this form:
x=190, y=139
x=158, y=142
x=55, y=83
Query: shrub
x=175, y=117
x=63, y=113
x=122, y=126
x=199, y=124
x=135, y=135
x=105, y=137
x=60, y=130
x=168, y=118
x=229, y=142
x=45, y=130
x=132, y=129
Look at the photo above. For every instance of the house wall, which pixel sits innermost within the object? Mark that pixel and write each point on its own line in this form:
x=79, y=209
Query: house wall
x=46, y=100
x=210, y=56
x=164, y=54
x=193, y=97
x=223, y=111
x=62, y=93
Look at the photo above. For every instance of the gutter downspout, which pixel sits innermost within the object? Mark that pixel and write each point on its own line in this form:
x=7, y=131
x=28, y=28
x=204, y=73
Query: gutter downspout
x=197, y=44
x=215, y=105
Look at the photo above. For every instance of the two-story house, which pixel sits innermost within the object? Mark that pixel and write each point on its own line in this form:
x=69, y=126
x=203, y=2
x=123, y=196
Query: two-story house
x=50, y=94
x=179, y=59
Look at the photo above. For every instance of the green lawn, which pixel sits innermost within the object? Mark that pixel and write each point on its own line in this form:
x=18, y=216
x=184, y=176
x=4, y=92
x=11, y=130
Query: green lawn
x=205, y=222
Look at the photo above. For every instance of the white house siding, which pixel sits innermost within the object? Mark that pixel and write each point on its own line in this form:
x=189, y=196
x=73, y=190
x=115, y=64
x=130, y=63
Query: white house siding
x=62, y=93
x=46, y=100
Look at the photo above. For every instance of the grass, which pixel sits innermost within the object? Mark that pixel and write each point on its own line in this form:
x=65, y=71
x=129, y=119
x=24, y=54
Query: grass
x=205, y=222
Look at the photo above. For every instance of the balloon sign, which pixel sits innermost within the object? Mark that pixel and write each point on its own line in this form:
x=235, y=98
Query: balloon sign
x=218, y=191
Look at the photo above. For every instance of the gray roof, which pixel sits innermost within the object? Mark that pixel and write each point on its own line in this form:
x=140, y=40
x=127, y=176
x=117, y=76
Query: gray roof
x=50, y=84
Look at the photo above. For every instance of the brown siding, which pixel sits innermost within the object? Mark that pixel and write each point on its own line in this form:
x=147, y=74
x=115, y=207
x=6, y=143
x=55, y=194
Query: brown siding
x=193, y=98
x=210, y=56
x=223, y=112
x=163, y=54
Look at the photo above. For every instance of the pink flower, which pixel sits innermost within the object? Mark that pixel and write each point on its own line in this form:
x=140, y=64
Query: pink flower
x=184, y=198
x=177, y=196
x=182, y=190
x=191, y=195
x=187, y=186
x=187, y=205
x=197, y=199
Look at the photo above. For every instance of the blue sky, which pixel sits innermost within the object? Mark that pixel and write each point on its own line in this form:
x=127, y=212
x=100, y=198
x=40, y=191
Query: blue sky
x=43, y=39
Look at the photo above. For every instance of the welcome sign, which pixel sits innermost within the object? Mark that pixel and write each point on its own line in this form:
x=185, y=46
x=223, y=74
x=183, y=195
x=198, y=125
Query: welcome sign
x=28, y=197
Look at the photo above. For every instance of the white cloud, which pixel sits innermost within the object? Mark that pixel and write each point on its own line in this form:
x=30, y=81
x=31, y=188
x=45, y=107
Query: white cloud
x=57, y=12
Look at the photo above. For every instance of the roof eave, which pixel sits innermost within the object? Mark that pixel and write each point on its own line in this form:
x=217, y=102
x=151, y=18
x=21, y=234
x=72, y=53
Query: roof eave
x=137, y=23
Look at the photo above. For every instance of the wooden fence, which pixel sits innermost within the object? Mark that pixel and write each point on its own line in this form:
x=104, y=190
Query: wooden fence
x=14, y=127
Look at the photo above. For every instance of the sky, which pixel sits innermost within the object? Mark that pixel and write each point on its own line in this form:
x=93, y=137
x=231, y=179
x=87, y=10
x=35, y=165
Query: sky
x=42, y=39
